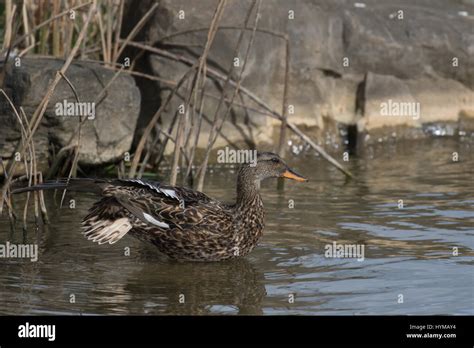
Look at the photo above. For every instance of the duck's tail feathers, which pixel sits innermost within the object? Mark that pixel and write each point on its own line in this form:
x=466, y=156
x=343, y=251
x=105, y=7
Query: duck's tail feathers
x=73, y=184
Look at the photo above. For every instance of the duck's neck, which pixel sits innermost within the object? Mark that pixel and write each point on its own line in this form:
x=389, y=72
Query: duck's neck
x=247, y=188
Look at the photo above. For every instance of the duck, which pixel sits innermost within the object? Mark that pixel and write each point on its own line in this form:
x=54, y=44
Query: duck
x=183, y=224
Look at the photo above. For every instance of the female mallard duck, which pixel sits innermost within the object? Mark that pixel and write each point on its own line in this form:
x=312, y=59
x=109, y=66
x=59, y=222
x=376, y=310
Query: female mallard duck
x=182, y=223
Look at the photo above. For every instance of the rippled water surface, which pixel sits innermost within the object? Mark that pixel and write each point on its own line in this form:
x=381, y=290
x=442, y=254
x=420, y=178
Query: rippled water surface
x=408, y=251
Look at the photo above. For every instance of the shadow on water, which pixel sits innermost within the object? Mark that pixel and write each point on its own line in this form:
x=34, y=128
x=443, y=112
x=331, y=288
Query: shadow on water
x=201, y=288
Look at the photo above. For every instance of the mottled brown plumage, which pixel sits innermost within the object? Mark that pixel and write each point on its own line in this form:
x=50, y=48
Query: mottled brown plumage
x=182, y=223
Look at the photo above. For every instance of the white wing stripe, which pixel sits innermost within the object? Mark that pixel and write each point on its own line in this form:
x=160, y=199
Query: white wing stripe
x=152, y=220
x=169, y=193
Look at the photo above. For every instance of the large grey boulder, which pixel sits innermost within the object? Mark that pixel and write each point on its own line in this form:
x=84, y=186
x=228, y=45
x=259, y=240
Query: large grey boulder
x=427, y=100
x=423, y=48
x=105, y=136
x=410, y=39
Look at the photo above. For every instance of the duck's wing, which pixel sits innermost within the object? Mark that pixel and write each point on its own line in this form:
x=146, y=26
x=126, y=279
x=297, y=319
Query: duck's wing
x=160, y=206
x=106, y=222
x=166, y=207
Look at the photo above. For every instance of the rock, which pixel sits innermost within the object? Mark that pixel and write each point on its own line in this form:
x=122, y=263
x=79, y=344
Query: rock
x=105, y=136
x=314, y=91
x=382, y=95
x=339, y=51
x=410, y=39
x=425, y=100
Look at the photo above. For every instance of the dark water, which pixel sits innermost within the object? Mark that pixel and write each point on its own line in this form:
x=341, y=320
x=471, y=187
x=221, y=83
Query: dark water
x=408, y=251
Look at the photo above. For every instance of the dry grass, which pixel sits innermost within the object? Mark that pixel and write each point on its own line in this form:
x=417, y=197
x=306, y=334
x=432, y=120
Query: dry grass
x=52, y=27
x=28, y=130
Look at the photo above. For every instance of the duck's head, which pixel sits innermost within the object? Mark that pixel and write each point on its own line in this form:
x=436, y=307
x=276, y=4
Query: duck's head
x=270, y=165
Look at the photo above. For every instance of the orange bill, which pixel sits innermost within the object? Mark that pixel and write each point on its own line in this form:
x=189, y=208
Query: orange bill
x=289, y=174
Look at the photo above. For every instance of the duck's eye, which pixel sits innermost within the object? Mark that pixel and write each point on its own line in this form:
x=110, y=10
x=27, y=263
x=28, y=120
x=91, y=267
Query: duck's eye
x=275, y=160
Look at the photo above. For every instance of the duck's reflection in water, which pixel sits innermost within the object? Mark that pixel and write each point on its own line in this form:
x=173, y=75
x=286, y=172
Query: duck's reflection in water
x=230, y=287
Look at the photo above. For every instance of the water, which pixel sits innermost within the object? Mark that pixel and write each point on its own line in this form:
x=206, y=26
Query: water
x=408, y=251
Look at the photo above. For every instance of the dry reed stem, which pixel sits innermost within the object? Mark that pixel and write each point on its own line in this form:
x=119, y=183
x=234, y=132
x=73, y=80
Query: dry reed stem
x=197, y=132
x=284, y=108
x=217, y=126
x=49, y=20
x=109, y=31
x=44, y=211
x=102, y=38
x=226, y=27
x=33, y=174
x=26, y=49
x=9, y=23
x=30, y=41
x=40, y=110
x=32, y=155
x=11, y=212
x=72, y=171
x=117, y=32
x=153, y=121
x=32, y=179
x=165, y=142
x=57, y=160
x=29, y=174
x=56, y=33
x=22, y=129
x=179, y=135
x=136, y=29
x=210, y=39
x=68, y=37
x=148, y=154
x=9, y=12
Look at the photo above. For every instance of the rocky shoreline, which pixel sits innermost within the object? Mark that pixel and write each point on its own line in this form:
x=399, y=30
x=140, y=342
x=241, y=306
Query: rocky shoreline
x=373, y=70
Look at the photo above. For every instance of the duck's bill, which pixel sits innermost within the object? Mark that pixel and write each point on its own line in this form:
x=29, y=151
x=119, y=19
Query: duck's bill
x=289, y=174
